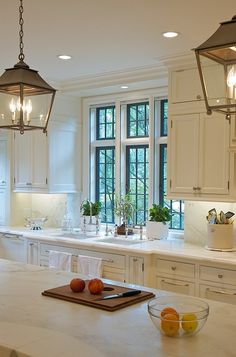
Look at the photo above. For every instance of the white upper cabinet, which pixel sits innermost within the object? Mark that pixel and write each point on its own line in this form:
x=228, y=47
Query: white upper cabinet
x=30, y=161
x=51, y=163
x=198, y=157
x=46, y=163
x=3, y=162
x=186, y=86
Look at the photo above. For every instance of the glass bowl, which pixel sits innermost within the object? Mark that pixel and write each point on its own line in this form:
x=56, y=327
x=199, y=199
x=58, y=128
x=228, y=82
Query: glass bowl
x=178, y=316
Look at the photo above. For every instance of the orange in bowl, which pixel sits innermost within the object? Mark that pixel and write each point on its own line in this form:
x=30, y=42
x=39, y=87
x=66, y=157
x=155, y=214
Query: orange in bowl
x=170, y=324
x=169, y=310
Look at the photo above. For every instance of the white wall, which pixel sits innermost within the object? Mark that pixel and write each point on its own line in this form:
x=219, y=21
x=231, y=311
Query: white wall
x=195, y=219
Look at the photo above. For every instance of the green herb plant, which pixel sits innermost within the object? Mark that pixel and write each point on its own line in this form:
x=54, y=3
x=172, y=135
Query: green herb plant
x=124, y=207
x=88, y=208
x=159, y=214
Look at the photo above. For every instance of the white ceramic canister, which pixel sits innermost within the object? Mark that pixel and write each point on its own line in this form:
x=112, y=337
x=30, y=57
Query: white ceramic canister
x=220, y=236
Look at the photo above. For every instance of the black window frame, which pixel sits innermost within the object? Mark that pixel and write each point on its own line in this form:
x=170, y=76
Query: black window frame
x=97, y=184
x=98, y=122
x=162, y=125
x=144, y=146
x=180, y=213
x=146, y=103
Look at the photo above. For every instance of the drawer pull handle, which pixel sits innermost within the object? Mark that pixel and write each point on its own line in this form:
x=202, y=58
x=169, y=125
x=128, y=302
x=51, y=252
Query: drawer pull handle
x=220, y=292
x=135, y=260
x=175, y=284
x=220, y=276
x=76, y=256
x=173, y=268
x=31, y=244
x=198, y=97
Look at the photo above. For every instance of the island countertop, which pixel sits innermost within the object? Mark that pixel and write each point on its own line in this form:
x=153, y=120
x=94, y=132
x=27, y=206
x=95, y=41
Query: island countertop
x=45, y=327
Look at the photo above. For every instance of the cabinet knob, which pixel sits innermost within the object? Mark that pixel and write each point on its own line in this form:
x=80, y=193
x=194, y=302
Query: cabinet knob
x=135, y=260
x=199, y=97
x=173, y=268
x=3, y=182
x=28, y=184
x=220, y=276
x=194, y=188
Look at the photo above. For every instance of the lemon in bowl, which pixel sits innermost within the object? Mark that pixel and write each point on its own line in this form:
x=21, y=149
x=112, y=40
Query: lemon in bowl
x=177, y=315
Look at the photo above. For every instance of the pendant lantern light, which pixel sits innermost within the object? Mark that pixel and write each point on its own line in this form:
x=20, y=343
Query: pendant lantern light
x=25, y=98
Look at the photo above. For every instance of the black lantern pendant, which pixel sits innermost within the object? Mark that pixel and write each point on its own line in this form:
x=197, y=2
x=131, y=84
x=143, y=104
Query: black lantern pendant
x=216, y=60
x=25, y=98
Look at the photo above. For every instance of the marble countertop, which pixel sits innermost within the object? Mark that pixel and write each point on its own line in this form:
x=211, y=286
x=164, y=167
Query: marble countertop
x=45, y=327
x=170, y=247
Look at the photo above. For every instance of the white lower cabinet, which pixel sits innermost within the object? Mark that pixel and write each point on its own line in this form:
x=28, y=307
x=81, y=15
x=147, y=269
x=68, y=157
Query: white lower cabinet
x=222, y=293
x=32, y=252
x=175, y=286
x=175, y=276
x=113, y=264
x=13, y=247
x=136, y=270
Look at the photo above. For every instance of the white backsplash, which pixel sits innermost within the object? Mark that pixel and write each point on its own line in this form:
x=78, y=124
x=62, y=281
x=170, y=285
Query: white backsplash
x=53, y=206
x=195, y=219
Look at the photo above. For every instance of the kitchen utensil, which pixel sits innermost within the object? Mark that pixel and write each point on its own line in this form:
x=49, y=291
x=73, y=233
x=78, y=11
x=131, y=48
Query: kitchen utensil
x=127, y=293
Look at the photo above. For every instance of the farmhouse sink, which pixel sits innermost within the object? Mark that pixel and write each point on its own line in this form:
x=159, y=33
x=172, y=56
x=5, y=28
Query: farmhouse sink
x=121, y=241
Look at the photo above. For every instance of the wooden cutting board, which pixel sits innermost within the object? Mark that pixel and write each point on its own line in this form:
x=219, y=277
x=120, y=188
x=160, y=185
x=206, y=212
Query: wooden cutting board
x=85, y=298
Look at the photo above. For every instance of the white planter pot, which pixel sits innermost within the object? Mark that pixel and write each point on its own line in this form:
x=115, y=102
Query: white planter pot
x=157, y=230
x=89, y=223
x=220, y=236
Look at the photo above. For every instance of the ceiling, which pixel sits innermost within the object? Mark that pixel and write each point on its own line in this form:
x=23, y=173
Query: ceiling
x=105, y=37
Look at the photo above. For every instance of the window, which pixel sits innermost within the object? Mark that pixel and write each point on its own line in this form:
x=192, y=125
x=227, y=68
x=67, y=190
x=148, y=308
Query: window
x=134, y=161
x=137, y=120
x=105, y=181
x=105, y=123
x=137, y=174
x=176, y=206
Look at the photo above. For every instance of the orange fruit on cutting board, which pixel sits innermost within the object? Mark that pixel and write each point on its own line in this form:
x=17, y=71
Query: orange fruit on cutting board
x=169, y=310
x=170, y=324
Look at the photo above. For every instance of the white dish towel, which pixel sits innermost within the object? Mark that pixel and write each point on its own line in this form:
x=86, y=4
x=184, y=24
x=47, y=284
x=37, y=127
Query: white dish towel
x=90, y=266
x=60, y=260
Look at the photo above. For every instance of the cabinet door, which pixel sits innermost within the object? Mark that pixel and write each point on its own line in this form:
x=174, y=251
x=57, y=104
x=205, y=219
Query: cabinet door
x=136, y=270
x=185, y=86
x=30, y=161
x=214, y=154
x=39, y=160
x=176, y=286
x=32, y=252
x=3, y=162
x=184, y=153
x=64, y=157
x=3, y=200
x=22, y=160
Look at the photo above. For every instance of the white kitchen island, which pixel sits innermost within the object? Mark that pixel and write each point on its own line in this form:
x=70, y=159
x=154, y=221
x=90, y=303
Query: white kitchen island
x=45, y=327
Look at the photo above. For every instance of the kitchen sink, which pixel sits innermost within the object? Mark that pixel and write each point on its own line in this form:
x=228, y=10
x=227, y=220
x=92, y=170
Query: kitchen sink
x=78, y=235
x=124, y=241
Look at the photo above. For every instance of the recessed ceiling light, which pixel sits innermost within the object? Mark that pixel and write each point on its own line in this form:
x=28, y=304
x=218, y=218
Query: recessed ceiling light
x=64, y=57
x=170, y=34
x=124, y=87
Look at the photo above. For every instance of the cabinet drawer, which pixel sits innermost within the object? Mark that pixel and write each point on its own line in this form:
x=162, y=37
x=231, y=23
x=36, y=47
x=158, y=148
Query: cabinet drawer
x=45, y=248
x=175, y=268
x=108, y=259
x=218, y=293
x=225, y=276
x=175, y=286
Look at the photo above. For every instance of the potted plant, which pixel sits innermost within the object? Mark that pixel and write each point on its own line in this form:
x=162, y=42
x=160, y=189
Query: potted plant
x=157, y=227
x=124, y=208
x=90, y=212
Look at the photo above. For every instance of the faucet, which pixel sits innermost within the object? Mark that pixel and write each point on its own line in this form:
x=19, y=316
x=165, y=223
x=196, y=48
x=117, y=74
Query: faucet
x=141, y=232
x=90, y=211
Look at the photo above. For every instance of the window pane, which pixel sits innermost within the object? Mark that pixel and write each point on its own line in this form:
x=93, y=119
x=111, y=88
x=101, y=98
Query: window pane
x=105, y=181
x=176, y=206
x=164, y=117
x=137, y=120
x=137, y=180
x=105, y=117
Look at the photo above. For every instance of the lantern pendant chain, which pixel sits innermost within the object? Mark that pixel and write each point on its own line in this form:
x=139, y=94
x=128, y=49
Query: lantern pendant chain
x=21, y=33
